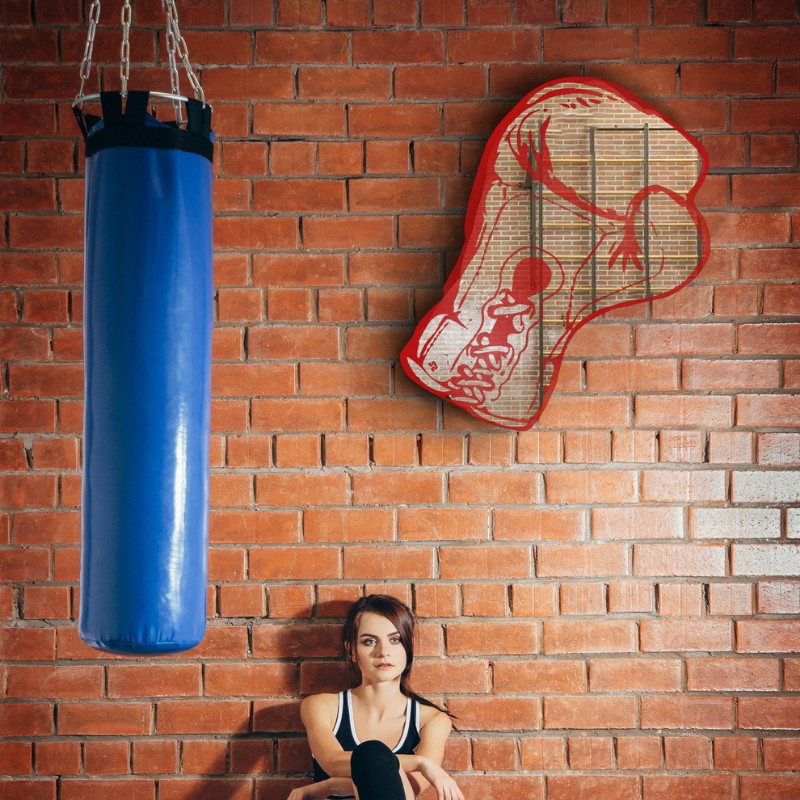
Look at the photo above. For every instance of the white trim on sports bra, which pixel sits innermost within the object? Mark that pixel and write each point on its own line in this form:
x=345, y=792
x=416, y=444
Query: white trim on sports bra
x=406, y=726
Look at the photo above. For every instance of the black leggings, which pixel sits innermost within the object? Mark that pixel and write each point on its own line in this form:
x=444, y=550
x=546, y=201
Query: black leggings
x=375, y=770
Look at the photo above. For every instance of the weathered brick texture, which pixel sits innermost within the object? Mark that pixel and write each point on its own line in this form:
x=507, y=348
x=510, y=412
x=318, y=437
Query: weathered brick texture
x=609, y=601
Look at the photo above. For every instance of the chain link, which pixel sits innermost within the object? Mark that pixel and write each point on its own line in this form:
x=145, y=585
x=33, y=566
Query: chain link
x=182, y=50
x=176, y=49
x=125, y=48
x=86, y=64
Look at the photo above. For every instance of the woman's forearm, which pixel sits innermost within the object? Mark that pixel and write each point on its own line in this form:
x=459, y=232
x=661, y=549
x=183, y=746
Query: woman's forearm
x=342, y=786
x=338, y=766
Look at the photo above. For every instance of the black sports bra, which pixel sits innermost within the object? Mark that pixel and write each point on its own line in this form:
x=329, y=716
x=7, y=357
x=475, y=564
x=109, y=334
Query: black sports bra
x=345, y=733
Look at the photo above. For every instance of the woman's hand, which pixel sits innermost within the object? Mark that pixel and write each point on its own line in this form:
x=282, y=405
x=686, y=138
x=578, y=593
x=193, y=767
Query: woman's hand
x=311, y=792
x=446, y=788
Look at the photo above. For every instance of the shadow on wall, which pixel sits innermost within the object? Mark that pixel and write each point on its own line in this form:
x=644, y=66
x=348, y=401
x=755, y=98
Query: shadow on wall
x=275, y=752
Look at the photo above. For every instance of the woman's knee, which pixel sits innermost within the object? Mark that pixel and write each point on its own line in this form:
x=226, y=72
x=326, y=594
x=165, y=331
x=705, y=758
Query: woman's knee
x=376, y=772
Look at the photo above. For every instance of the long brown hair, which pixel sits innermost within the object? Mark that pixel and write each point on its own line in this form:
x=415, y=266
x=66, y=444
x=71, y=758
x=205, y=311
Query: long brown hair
x=399, y=614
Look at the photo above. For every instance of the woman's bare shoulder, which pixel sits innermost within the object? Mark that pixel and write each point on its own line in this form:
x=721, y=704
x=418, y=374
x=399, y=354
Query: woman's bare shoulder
x=322, y=706
x=432, y=717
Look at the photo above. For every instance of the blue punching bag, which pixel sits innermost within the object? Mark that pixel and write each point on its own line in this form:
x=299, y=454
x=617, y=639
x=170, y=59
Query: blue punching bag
x=147, y=318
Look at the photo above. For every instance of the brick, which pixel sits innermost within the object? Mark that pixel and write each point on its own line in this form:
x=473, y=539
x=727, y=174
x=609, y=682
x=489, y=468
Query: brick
x=638, y=675
x=732, y=674
x=94, y=789
x=497, y=754
x=641, y=374
x=630, y=597
x=534, y=600
x=587, y=447
x=685, y=713
x=588, y=486
x=110, y=719
x=106, y=758
x=589, y=712
x=684, y=339
x=595, y=636
x=772, y=410
x=27, y=644
x=436, y=524
x=781, y=300
x=345, y=83
x=243, y=680
x=639, y=522
x=295, y=451
x=290, y=601
x=437, y=600
x=767, y=636
x=485, y=600
x=58, y=758
x=203, y=716
x=600, y=411
x=155, y=757
x=638, y=752
x=388, y=562
x=731, y=599
x=679, y=560
x=736, y=753
x=581, y=560
x=495, y=487
x=683, y=411
x=780, y=755
x=308, y=563
x=241, y=601
x=730, y=447
x=683, y=485
x=589, y=753
x=497, y=714
x=681, y=446
x=397, y=488
x=479, y=638
x=735, y=523
x=346, y=449
x=549, y=677
x=297, y=415
x=582, y=599
x=153, y=681
x=499, y=561
x=681, y=599
x=254, y=526
x=543, y=753
x=391, y=414
x=765, y=559
x=770, y=713
x=348, y=525
x=778, y=597
x=546, y=524
x=679, y=635
x=592, y=787
x=716, y=786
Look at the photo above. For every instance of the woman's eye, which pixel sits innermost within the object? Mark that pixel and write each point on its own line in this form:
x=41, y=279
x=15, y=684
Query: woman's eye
x=395, y=641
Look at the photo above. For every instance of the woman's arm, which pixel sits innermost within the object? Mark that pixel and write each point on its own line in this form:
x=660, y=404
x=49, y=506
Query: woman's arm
x=424, y=768
x=318, y=713
x=321, y=789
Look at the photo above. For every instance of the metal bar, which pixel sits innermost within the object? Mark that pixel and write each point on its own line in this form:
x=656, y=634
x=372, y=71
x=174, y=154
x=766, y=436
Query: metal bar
x=593, y=170
x=647, y=210
x=540, y=242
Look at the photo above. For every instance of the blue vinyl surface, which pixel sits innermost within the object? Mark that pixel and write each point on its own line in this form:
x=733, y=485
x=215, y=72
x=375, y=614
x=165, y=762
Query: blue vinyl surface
x=148, y=316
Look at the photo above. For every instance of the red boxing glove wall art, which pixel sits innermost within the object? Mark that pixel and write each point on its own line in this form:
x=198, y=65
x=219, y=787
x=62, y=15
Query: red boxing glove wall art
x=584, y=201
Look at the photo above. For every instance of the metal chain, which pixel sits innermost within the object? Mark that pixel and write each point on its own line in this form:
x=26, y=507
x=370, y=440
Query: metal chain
x=174, y=77
x=86, y=64
x=125, y=48
x=182, y=50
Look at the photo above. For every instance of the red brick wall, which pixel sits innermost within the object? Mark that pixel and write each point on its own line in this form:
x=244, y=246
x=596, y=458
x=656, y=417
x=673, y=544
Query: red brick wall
x=608, y=602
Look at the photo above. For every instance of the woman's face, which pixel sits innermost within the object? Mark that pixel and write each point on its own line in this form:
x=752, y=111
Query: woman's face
x=380, y=654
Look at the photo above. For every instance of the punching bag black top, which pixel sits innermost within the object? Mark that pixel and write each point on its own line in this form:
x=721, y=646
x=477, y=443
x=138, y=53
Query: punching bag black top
x=148, y=317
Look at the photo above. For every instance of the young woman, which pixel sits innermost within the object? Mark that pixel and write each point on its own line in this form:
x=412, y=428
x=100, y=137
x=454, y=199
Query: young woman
x=378, y=741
